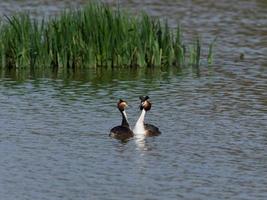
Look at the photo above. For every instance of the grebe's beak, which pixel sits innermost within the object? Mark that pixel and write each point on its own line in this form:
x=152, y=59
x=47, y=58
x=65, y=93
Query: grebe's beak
x=141, y=106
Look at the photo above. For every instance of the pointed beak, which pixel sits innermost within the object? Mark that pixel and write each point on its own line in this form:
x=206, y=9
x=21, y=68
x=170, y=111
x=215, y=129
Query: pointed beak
x=126, y=104
x=141, y=106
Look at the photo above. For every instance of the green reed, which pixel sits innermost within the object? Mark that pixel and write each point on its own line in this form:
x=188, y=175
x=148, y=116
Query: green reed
x=210, y=52
x=94, y=36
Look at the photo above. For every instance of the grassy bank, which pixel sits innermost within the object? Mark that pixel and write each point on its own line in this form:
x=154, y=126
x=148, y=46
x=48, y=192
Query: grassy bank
x=91, y=37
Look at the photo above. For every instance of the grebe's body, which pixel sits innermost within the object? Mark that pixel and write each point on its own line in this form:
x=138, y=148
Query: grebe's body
x=151, y=130
x=141, y=128
x=122, y=132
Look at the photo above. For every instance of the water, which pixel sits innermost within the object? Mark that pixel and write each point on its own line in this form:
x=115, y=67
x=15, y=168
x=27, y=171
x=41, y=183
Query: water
x=54, y=140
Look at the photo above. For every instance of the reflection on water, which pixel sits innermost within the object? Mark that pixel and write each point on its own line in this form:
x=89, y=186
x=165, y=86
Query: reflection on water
x=141, y=143
x=54, y=140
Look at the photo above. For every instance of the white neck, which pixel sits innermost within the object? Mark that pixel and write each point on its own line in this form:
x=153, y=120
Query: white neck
x=124, y=112
x=139, y=128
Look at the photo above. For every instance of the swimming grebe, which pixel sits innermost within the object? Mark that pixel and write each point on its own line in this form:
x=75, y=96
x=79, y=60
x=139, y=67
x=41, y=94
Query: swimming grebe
x=141, y=128
x=122, y=132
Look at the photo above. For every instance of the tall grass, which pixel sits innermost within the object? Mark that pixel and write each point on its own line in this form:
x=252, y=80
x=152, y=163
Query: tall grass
x=93, y=36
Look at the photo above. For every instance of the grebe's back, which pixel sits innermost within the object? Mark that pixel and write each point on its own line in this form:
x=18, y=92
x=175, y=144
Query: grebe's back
x=151, y=130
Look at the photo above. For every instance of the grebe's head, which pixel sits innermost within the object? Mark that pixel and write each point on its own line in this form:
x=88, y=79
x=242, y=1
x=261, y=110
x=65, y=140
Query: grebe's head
x=145, y=104
x=122, y=105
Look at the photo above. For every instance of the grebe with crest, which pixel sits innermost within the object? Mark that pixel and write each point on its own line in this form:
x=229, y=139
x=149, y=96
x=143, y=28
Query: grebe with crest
x=122, y=132
x=141, y=128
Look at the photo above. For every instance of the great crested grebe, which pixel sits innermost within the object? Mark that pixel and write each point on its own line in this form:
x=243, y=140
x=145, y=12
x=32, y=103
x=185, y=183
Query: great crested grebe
x=141, y=128
x=122, y=132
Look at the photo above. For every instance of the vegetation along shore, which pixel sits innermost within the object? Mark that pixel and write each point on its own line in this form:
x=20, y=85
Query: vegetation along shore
x=94, y=36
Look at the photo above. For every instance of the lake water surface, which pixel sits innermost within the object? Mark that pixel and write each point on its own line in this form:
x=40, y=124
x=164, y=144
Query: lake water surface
x=54, y=140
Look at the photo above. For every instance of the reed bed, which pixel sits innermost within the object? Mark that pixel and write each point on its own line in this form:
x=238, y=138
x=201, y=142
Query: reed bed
x=92, y=37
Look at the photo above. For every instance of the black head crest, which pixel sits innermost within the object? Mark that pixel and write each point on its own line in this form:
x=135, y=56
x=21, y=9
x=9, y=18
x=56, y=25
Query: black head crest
x=143, y=98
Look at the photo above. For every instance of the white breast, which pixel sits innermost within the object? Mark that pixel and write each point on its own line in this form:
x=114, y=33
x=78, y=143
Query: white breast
x=139, y=128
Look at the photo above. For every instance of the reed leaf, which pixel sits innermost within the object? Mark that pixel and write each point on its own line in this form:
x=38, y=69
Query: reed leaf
x=94, y=36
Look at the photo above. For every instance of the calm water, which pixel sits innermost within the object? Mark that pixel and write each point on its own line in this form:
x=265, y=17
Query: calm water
x=54, y=140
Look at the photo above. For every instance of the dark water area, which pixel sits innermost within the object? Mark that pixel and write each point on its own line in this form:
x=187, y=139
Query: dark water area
x=54, y=140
